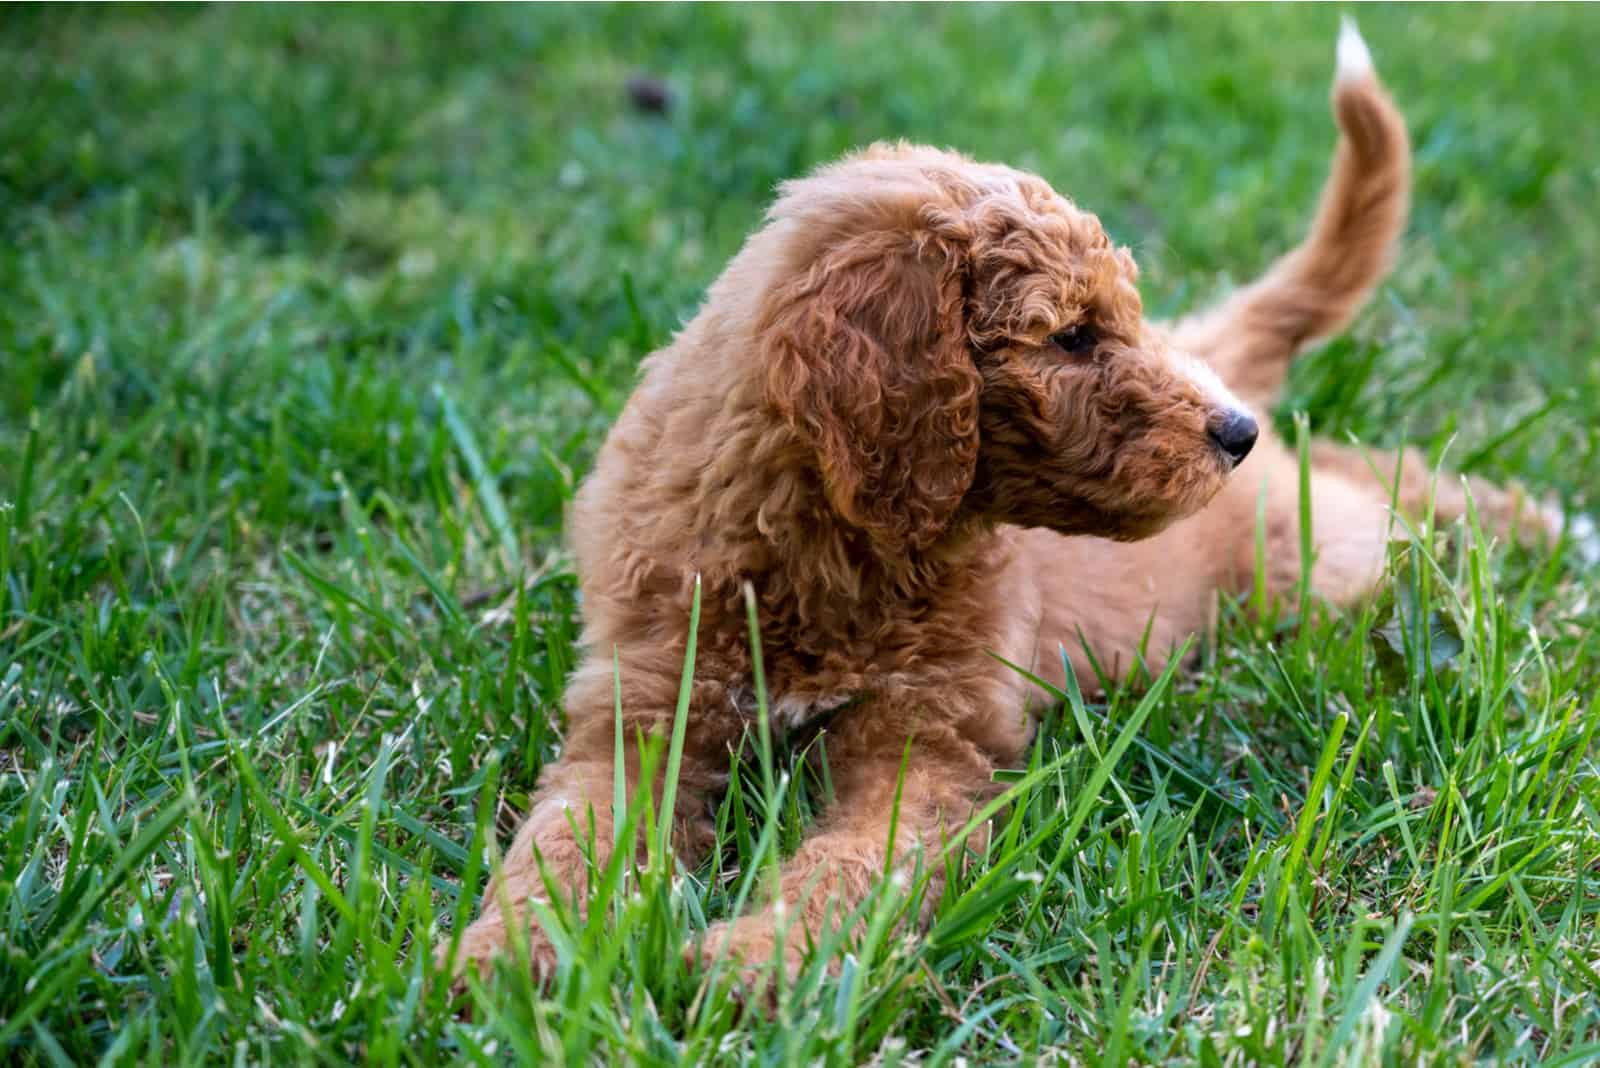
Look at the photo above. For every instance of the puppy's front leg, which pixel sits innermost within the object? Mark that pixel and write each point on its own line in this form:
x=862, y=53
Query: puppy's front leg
x=823, y=885
x=572, y=804
x=571, y=810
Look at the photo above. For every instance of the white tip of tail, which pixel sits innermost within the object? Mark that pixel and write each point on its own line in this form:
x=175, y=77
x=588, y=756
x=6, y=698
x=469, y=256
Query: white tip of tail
x=1355, y=61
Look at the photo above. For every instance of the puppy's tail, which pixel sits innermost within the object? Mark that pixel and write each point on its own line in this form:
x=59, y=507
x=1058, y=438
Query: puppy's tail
x=1316, y=289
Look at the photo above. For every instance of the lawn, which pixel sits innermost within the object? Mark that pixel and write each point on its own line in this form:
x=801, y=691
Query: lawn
x=313, y=319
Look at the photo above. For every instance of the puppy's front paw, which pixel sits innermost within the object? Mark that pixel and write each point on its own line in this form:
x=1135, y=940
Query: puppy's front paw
x=485, y=941
x=749, y=950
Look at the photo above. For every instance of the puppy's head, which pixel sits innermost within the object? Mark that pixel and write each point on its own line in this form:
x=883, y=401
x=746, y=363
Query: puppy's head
x=953, y=337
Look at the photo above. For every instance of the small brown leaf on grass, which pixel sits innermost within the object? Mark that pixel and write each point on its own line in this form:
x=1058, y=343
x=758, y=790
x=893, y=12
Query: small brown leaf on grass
x=649, y=94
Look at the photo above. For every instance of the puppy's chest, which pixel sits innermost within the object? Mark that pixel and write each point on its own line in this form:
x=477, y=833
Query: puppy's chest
x=935, y=662
x=794, y=710
x=954, y=688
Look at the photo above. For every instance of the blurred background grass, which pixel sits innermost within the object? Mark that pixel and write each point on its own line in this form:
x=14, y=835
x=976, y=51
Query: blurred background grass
x=249, y=254
x=422, y=180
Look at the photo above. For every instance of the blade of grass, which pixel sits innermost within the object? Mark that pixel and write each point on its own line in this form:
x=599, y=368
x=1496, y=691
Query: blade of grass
x=680, y=725
x=483, y=481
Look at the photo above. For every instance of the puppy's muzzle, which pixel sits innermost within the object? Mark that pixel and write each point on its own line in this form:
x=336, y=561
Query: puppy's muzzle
x=1235, y=433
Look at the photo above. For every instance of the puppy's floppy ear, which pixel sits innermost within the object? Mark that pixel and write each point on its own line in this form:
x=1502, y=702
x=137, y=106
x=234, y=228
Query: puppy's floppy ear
x=867, y=358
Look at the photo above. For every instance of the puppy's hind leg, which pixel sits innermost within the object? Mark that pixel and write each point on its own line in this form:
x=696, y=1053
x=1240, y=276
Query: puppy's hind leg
x=1418, y=491
x=1349, y=535
x=1316, y=289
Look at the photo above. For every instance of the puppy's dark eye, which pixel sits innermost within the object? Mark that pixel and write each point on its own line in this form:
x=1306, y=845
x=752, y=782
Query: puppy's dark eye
x=1079, y=341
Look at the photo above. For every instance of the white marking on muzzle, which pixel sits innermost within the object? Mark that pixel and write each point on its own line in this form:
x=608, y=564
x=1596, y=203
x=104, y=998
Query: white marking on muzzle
x=1206, y=380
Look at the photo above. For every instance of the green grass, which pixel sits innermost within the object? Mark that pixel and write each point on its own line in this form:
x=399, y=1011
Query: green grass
x=313, y=319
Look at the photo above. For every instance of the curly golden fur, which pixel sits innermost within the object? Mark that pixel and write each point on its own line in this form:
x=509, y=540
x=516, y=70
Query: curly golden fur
x=923, y=417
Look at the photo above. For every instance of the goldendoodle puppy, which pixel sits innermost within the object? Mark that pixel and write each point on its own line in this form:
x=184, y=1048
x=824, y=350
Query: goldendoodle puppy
x=923, y=417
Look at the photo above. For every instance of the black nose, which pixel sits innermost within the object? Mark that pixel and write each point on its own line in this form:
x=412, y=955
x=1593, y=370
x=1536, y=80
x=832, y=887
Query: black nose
x=1235, y=434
